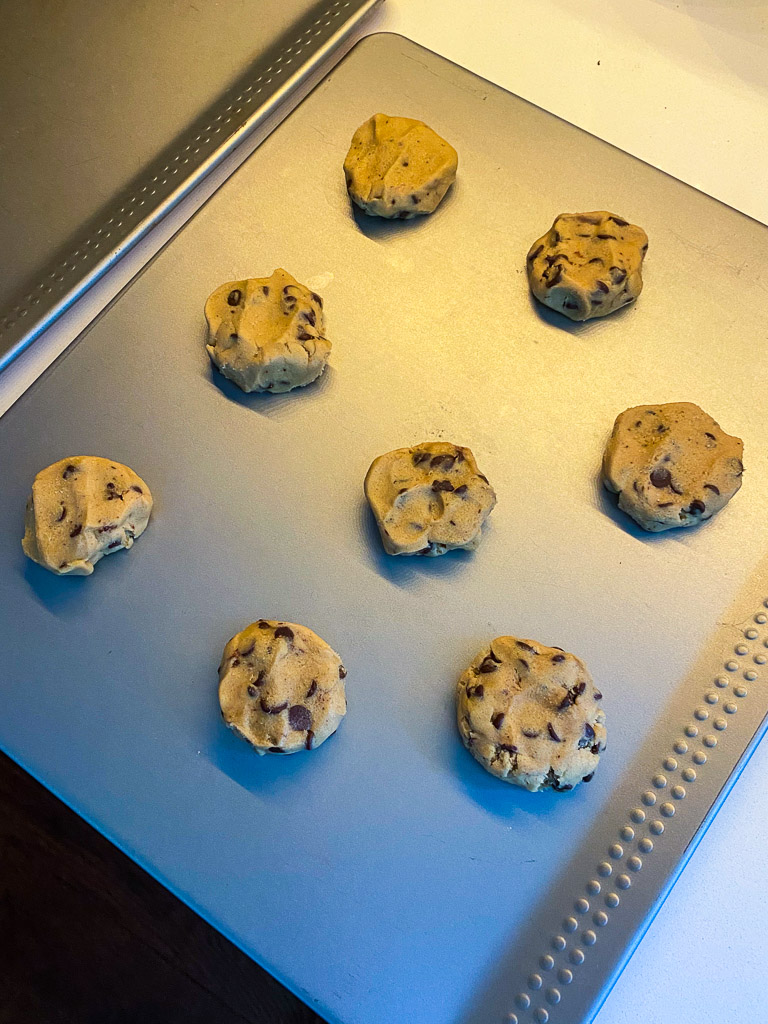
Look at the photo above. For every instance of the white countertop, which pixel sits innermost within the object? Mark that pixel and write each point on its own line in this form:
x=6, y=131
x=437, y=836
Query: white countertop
x=684, y=86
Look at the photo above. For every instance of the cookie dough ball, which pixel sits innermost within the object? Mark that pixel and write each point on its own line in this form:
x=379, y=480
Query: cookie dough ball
x=81, y=509
x=428, y=499
x=530, y=715
x=267, y=333
x=281, y=687
x=671, y=465
x=398, y=167
x=587, y=264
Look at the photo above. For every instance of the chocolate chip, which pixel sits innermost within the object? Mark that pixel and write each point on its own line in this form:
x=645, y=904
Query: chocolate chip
x=570, y=305
x=617, y=275
x=235, y=297
x=524, y=663
x=665, y=504
x=588, y=778
x=260, y=678
x=536, y=252
x=595, y=748
x=527, y=647
x=675, y=489
x=272, y=709
x=312, y=690
x=276, y=750
x=461, y=489
x=697, y=506
x=554, y=278
x=114, y=544
x=497, y=719
x=107, y=528
x=509, y=747
x=248, y=650
x=265, y=289
x=136, y=488
x=303, y=335
x=597, y=259
x=558, y=657
x=285, y=631
x=552, y=733
x=555, y=258
x=483, y=478
x=711, y=487
x=606, y=236
x=707, y=434
x=555, y=236
x=63, y=565
x=309, y=740
x=661, y=477
x=68, y=471
x=476, y=691
x=442, y=485
x=530, y=733
x=316, y=298
x=76, y=531
x=419, y=457
x=415, y=200
x=597, y=695
x=252, y=691
x=446, y=461
x=602, y=286
x=310, y=316
x=738, y=467
x=487, y=665
x=589, y=735
x=493, y=657
x=620, y=222
x=299, y=718
x=585, y=219
x=63, y=514
x=263, y=624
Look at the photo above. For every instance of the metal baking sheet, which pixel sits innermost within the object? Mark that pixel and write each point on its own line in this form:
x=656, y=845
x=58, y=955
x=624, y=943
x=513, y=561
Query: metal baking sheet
x=109, y=121
x=386, y=876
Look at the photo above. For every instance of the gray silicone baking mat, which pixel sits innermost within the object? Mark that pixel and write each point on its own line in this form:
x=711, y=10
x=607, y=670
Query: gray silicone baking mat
x=386, y=876
x=111, y=115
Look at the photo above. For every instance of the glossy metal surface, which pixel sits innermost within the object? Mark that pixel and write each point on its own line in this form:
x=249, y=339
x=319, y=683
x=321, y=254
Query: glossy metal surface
x=386, y=876
x=109, y=121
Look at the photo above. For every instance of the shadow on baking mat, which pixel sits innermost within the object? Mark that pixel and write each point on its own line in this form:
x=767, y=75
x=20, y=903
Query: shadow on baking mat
x=381, y=229
x=275, y=406
x=579, y=328
x=407, y=570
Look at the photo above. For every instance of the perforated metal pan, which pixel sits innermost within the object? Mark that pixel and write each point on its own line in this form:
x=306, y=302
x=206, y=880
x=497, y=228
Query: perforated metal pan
x=110, y=120
x=386, y=876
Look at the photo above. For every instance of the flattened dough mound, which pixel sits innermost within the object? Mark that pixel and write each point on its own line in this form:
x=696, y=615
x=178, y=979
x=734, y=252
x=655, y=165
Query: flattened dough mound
x=267, y=333
x=530, y=715
x=398, y=167
x=587, y=264
x=671, y=465
x=428, y=499
x=81, y=509
x=281, y=687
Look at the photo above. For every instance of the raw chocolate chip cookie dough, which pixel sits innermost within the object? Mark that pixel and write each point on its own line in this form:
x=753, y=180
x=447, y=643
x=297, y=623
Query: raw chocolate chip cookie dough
x=671, y=465
x=428, y=499
x=81, y=509
x=281, y=687
x=398, y=167
x=267, y=333
x=587, y=264
x=530, y=715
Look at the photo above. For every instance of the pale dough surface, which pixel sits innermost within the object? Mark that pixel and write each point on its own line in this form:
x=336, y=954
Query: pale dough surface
x=428, y=499
x=398, y=167
x=530, y=714
x=267, y=333
x=671, y=465
x=281, y=687
x=587, y=264
x=81, y=509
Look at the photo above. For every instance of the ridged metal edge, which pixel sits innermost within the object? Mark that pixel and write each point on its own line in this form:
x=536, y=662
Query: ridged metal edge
x=644, y=827
x=118, y=227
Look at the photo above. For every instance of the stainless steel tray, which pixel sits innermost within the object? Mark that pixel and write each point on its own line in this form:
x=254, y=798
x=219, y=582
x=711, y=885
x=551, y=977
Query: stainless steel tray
x=109, y=121
x=387, y=877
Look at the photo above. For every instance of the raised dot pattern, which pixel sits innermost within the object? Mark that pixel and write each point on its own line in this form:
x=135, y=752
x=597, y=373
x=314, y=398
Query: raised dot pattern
x=89, y=247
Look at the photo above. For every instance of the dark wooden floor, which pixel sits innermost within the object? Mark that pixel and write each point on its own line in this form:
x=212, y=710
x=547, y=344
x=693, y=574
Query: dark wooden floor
x=90, y=938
